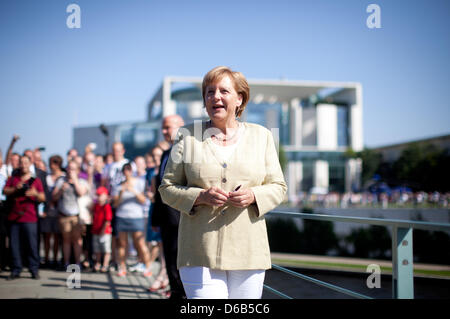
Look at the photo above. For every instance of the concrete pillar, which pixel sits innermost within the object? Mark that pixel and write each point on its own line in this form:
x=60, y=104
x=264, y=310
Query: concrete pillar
x=295, y=122
x=353, y=171
x=294, y=179
x=327, y=126
x=272, y=120
x=195, y=109
x=356, y=127
x=321, y=174
x=169, y=106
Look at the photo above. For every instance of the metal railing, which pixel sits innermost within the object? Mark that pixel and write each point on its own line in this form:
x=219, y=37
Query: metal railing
x=402, y=251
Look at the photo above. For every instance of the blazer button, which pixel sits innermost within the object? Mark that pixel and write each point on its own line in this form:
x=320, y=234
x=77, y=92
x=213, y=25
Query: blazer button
x=223, y=212
x=224, y=180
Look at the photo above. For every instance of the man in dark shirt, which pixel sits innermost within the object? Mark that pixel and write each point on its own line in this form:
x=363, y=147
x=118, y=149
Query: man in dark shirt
x=167, y=218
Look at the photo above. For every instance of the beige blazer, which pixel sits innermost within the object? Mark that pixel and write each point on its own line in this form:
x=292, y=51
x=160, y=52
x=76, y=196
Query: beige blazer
x=226, y=237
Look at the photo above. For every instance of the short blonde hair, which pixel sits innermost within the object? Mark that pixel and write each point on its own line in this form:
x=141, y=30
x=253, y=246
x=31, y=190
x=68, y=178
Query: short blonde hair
x=240, y=84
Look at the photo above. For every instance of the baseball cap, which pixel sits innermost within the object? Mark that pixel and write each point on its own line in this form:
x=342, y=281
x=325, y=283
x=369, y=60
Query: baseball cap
x=102, y=190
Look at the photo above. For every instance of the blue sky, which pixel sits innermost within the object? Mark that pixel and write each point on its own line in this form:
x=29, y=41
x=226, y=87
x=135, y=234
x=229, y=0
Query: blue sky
x=53, y=77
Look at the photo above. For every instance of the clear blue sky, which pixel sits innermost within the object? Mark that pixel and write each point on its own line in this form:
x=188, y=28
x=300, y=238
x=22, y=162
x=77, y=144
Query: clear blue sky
x=52, y=77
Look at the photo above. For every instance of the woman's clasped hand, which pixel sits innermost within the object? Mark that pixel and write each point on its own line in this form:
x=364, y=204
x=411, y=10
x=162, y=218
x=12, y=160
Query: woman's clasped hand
x=214, y=196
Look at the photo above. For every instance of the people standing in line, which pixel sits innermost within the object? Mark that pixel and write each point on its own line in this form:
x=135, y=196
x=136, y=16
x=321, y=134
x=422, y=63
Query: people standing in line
x=67, y=191
x=86, y=204
x=71, y=154
x=223, y=193
x=99, y=172
x=166, y=217
x=109, y=159
x=35, y=172
x=101, y=230
x=38, y=161
x=26, y=192
x=14, y=164
x=128, y=200
x=114, y=174
x=113, y=178
x=139, y=168
x=12, y=159
x=4, y=210
x=153, y=236
x=49, y=221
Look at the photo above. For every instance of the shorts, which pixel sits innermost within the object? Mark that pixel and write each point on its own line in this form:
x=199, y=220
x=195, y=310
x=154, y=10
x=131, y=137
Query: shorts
x=101, y=243
x=49, y=225
x=68, y=224
x=130, y=225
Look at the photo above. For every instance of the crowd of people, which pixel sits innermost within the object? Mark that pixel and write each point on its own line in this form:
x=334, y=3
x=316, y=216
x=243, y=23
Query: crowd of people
x=367, y=199
x=204, y=219
x=82, y=210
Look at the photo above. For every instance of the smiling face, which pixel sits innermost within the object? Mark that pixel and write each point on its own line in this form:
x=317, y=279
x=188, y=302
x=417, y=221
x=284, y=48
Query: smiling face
x=222, y=100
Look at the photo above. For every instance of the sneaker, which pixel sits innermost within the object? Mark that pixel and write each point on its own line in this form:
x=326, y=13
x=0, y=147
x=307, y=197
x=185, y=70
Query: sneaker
x=139, y=267
x=35, y=275
x=122, y=273
x=147, y=273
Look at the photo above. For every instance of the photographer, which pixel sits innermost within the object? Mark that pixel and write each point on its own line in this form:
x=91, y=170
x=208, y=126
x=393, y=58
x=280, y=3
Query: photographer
x=26, y=192
x=66, y=193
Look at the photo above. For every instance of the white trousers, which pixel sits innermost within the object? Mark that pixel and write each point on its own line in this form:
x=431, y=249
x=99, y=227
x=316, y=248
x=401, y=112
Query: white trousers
x=206, y=283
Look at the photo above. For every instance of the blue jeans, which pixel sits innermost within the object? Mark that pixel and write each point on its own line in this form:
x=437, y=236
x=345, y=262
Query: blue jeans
x=24, y=238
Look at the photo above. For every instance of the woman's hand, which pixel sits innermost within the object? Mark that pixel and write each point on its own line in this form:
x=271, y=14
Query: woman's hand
x=241, y=198
x=213, y=196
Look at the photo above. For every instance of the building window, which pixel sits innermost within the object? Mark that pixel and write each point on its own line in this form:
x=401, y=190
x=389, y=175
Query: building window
x=137, y=139
x=309, y=126
x=336, y=176
x=265, y=114
x=308, y=176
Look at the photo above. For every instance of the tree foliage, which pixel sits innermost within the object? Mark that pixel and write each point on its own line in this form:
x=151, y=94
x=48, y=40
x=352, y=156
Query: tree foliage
x=419, y=166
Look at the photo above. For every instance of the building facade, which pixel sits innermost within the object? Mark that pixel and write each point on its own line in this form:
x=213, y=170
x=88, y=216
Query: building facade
x=314, y=124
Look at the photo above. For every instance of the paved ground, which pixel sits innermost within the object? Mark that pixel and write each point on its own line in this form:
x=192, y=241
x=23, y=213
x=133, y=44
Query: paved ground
x=54, y=284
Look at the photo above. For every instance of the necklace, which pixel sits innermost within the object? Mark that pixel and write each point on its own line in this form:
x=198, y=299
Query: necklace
x=225, y=139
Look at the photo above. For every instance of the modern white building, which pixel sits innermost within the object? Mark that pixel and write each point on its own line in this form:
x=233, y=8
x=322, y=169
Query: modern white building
x=314, y=122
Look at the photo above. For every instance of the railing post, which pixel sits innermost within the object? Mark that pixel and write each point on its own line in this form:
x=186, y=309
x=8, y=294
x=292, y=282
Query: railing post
x=402, y=263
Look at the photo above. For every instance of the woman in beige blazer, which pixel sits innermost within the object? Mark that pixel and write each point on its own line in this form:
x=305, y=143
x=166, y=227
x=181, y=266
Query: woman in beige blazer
x=223, y=175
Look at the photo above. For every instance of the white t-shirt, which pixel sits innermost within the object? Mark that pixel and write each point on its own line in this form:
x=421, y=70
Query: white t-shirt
x=224, y=152
x=115, y=175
